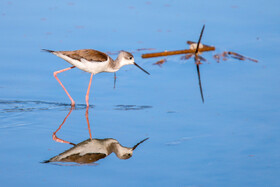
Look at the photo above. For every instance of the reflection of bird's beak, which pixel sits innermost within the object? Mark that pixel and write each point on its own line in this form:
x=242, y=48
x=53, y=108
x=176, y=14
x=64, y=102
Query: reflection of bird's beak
x=134, y=147
x=141, y=68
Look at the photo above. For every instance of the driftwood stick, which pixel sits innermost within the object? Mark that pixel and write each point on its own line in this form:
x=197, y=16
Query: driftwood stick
x=178, y=52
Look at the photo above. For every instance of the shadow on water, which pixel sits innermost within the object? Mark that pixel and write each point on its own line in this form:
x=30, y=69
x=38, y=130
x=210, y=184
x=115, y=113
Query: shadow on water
x=91, y=150
x=7, y=106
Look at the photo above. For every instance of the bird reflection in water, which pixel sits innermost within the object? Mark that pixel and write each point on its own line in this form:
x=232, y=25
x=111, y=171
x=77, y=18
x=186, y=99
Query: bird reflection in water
x=91, y=150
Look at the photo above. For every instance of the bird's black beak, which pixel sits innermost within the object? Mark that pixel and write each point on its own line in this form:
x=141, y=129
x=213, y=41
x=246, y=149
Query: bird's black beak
x=141, y=68
x=134, y=147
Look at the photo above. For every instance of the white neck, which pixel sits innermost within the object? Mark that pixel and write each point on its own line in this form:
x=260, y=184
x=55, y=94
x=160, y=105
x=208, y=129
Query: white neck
x=121, y=61
x=119, y=150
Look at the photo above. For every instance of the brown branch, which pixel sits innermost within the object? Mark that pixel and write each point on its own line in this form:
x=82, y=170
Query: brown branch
x=178, y=52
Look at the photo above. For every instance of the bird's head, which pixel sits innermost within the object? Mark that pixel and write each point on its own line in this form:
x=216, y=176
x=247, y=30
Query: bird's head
x=126, y=152
x=126, y=58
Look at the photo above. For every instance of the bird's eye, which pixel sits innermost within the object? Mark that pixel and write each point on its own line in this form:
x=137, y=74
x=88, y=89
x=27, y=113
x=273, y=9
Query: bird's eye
x=130, y=58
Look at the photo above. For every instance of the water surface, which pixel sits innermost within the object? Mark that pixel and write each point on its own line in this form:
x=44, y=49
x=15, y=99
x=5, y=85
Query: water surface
x=230, y=140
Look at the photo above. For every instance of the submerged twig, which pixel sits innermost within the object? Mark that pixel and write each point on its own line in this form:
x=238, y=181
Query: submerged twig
x=241, y=57
x=160, y=62
x=226, y=54
x=197, y=62
x=186, y=57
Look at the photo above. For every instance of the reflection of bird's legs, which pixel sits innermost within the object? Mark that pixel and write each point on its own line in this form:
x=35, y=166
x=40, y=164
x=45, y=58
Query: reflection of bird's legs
x=89, y=131
x=55, y=138
x=115, y=79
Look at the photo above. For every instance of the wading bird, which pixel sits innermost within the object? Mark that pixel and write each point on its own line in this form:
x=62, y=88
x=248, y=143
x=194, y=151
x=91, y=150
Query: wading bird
x=94, y=62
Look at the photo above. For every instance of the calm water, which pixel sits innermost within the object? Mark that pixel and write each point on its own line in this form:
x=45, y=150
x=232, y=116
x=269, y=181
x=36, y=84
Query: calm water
x=230, y=140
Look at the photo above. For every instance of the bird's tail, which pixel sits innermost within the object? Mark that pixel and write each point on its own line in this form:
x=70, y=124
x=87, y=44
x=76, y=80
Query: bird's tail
x=47, y=50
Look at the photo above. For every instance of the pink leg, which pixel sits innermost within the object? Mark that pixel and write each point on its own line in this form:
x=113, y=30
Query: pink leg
x=89, y=131
x=87, y=96
x=55, y=138
x=57, y=72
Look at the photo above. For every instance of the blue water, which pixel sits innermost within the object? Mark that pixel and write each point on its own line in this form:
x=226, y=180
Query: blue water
x=230, y=140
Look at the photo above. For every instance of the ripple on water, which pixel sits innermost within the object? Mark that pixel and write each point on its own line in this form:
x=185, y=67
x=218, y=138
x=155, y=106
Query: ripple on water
x=9, y=106
x=14, y=106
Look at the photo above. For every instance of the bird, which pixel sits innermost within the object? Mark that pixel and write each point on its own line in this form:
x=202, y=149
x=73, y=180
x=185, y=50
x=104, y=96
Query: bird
x=92, y=150
x=94, y=62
